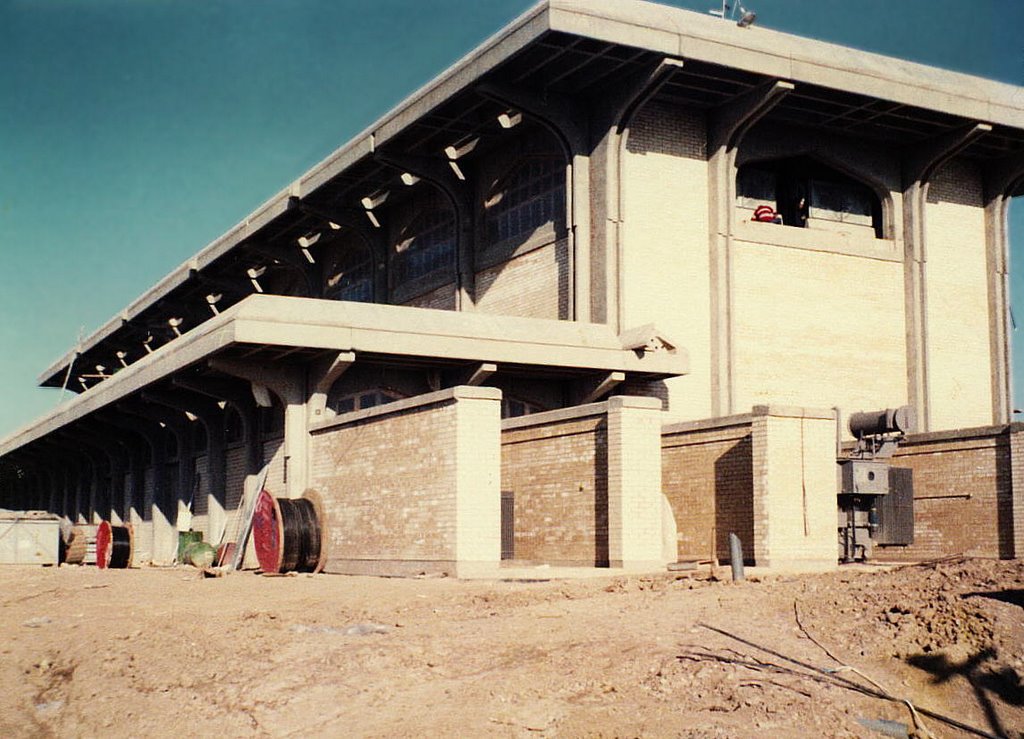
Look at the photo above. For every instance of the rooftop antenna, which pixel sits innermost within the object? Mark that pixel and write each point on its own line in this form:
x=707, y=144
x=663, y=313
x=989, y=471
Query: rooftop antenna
x=729, y=12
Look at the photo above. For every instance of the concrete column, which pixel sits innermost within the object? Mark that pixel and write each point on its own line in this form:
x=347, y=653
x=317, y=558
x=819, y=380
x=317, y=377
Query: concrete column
x=289, y=384
x=477, y=479
x=634, y=483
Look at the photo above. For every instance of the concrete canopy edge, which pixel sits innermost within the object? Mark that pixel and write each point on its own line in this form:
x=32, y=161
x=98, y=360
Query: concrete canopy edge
x=378, y=329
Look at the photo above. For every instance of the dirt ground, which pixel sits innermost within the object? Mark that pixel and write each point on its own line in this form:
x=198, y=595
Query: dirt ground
x=167, y=652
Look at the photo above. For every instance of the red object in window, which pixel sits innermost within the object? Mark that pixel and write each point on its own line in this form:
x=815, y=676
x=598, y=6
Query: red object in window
x=764, y=213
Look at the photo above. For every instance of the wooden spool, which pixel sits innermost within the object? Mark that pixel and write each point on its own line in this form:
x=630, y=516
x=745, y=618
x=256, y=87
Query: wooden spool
x=81, y=547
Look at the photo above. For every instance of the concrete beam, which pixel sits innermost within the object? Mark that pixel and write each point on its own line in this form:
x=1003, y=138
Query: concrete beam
x=322, y=376
x=592, y=390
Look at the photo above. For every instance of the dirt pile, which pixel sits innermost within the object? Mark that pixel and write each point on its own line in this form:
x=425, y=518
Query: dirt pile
x=165, y=652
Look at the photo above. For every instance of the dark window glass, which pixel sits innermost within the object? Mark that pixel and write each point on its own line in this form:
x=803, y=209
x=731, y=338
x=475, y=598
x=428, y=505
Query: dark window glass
x=429, y=247
x=531, y=197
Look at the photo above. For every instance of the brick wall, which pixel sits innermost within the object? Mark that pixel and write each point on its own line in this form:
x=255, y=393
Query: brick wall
x=441, y=298
x=555, y=466
x=664, y=234
x=533, y=285
x=963, y=493
x=959, y=391
x=806, y=320
x=411, y=486
x=708, y=479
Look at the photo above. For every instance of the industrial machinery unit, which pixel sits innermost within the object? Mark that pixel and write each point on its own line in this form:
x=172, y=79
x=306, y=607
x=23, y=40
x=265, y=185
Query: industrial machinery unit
x=876, y=500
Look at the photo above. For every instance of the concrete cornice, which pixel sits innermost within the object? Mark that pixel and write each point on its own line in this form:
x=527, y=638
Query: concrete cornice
x=367, y=329
x=672, y=31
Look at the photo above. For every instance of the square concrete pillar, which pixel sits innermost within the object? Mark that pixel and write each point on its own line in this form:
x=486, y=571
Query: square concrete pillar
x=795, y=505
x=634, y=483
x=477, y=480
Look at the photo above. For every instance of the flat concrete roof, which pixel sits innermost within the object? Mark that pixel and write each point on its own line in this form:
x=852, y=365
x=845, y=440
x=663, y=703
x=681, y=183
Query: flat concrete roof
x=645, y=27
x=380, y=332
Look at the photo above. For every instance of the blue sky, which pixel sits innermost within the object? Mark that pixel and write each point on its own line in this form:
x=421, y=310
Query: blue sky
x=134, y=132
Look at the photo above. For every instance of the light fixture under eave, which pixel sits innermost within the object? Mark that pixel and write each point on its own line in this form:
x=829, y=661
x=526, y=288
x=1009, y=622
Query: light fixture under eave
x=212, y=299
x=409, y=179
x=334, y=226
x=175, y=324
x=309, y=239
x=122, y=357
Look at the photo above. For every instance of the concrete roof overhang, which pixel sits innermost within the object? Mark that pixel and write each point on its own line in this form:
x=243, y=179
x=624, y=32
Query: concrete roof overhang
x=268, y=328
x=577, y=49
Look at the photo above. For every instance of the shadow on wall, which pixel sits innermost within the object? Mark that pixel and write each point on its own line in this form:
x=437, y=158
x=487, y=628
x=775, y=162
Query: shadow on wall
x=734, y=499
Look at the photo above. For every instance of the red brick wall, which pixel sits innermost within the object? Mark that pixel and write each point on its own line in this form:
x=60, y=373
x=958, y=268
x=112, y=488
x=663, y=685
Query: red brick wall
x=707, y=476
x=963, y=494
x=557, y=469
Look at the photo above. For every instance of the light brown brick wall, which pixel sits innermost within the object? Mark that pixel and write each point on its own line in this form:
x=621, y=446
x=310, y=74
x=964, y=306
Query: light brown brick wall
x=963, y=497
x=387, y=485
x=411, y=486
x=708, y=480
x=803, y=334
x=557, y=471
x=959, y=359
x=533, y=285
x=664, y=233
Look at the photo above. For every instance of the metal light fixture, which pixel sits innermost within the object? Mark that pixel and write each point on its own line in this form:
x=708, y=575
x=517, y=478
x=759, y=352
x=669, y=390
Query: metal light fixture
x=744, y=18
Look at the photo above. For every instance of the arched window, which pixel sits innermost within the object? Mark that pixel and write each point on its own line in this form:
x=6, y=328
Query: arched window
x=427, y=245
x=804, y=193
x=350, y=277
x=530, y=197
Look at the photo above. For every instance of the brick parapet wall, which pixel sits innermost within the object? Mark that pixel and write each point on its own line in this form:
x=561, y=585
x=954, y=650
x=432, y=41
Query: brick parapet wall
x=767, y=476
x=411, y=486
x=968, y=492
x=707, y=479
x=555, y=466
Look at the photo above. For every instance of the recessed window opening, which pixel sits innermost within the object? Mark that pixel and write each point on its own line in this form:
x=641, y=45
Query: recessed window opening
x=804, y=193
x=515, y=407
x=428, y=244
x=364, y=399
x=530, y=197
x=352, y=277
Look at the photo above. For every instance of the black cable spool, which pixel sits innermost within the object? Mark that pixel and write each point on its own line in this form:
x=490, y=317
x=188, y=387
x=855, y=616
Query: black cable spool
x=120, y=547
x=301, y=540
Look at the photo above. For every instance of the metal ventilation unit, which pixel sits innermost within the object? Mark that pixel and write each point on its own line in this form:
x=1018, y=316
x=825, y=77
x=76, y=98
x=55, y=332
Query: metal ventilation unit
x=876, y=500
